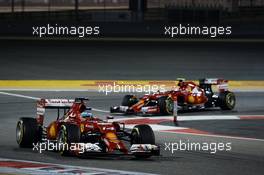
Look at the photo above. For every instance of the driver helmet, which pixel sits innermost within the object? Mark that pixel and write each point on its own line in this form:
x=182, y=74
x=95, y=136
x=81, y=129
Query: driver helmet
x=181, y=83
x=86, y=114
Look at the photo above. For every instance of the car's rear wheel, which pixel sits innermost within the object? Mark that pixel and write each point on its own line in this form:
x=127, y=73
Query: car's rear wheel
x=27, y=132
x=142, y=134
x=129, y=100
x=227, y=100
x=68, y=134
x=165, y=104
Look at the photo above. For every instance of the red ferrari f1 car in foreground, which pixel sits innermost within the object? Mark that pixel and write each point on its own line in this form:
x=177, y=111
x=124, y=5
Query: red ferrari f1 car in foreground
x=78, y=132
x=188, y=95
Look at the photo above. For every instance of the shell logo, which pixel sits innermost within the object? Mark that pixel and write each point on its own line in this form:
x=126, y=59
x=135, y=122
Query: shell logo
x=82, y=127
x=191, y=99
x=112, y=137
x=52, y=131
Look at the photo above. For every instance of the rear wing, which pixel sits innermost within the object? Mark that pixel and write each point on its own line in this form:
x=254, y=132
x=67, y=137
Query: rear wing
x=213, y=81
x=206, y=83
x=58, y=104
x=55, y=103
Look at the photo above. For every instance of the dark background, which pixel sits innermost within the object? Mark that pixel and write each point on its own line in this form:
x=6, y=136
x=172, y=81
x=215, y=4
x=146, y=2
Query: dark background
x=132, y=18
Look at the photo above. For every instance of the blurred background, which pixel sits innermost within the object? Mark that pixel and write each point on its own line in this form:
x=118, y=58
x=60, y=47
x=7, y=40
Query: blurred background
x=247, y=16
x=51, y=5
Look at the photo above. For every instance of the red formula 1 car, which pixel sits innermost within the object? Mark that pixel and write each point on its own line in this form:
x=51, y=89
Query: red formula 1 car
x=78, y=132
x=189, y=95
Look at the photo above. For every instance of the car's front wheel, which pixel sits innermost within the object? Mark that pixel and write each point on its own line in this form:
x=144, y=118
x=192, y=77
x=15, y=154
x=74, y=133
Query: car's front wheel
x=165, y=104
x=142, y=134
x=69, y=134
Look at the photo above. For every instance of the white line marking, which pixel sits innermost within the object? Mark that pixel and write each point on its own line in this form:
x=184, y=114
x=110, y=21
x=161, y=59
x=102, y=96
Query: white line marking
x=156, y=127
x=37, y=98
x=184, y=118
x=49, y=90
x=19, y=95
x=100, y=110
x=208, y=117
x=150, y=118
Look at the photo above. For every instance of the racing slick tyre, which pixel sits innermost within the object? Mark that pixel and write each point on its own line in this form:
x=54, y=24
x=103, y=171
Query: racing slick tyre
x=27, y=132
x=68, y=134
x=129, y=100
x=165, y=105
x=142, y=134
x=227, y=100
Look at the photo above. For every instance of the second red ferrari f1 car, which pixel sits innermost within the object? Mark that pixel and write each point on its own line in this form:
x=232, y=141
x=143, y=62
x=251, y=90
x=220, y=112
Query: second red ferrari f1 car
x=78, y=132
x=188, y=95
